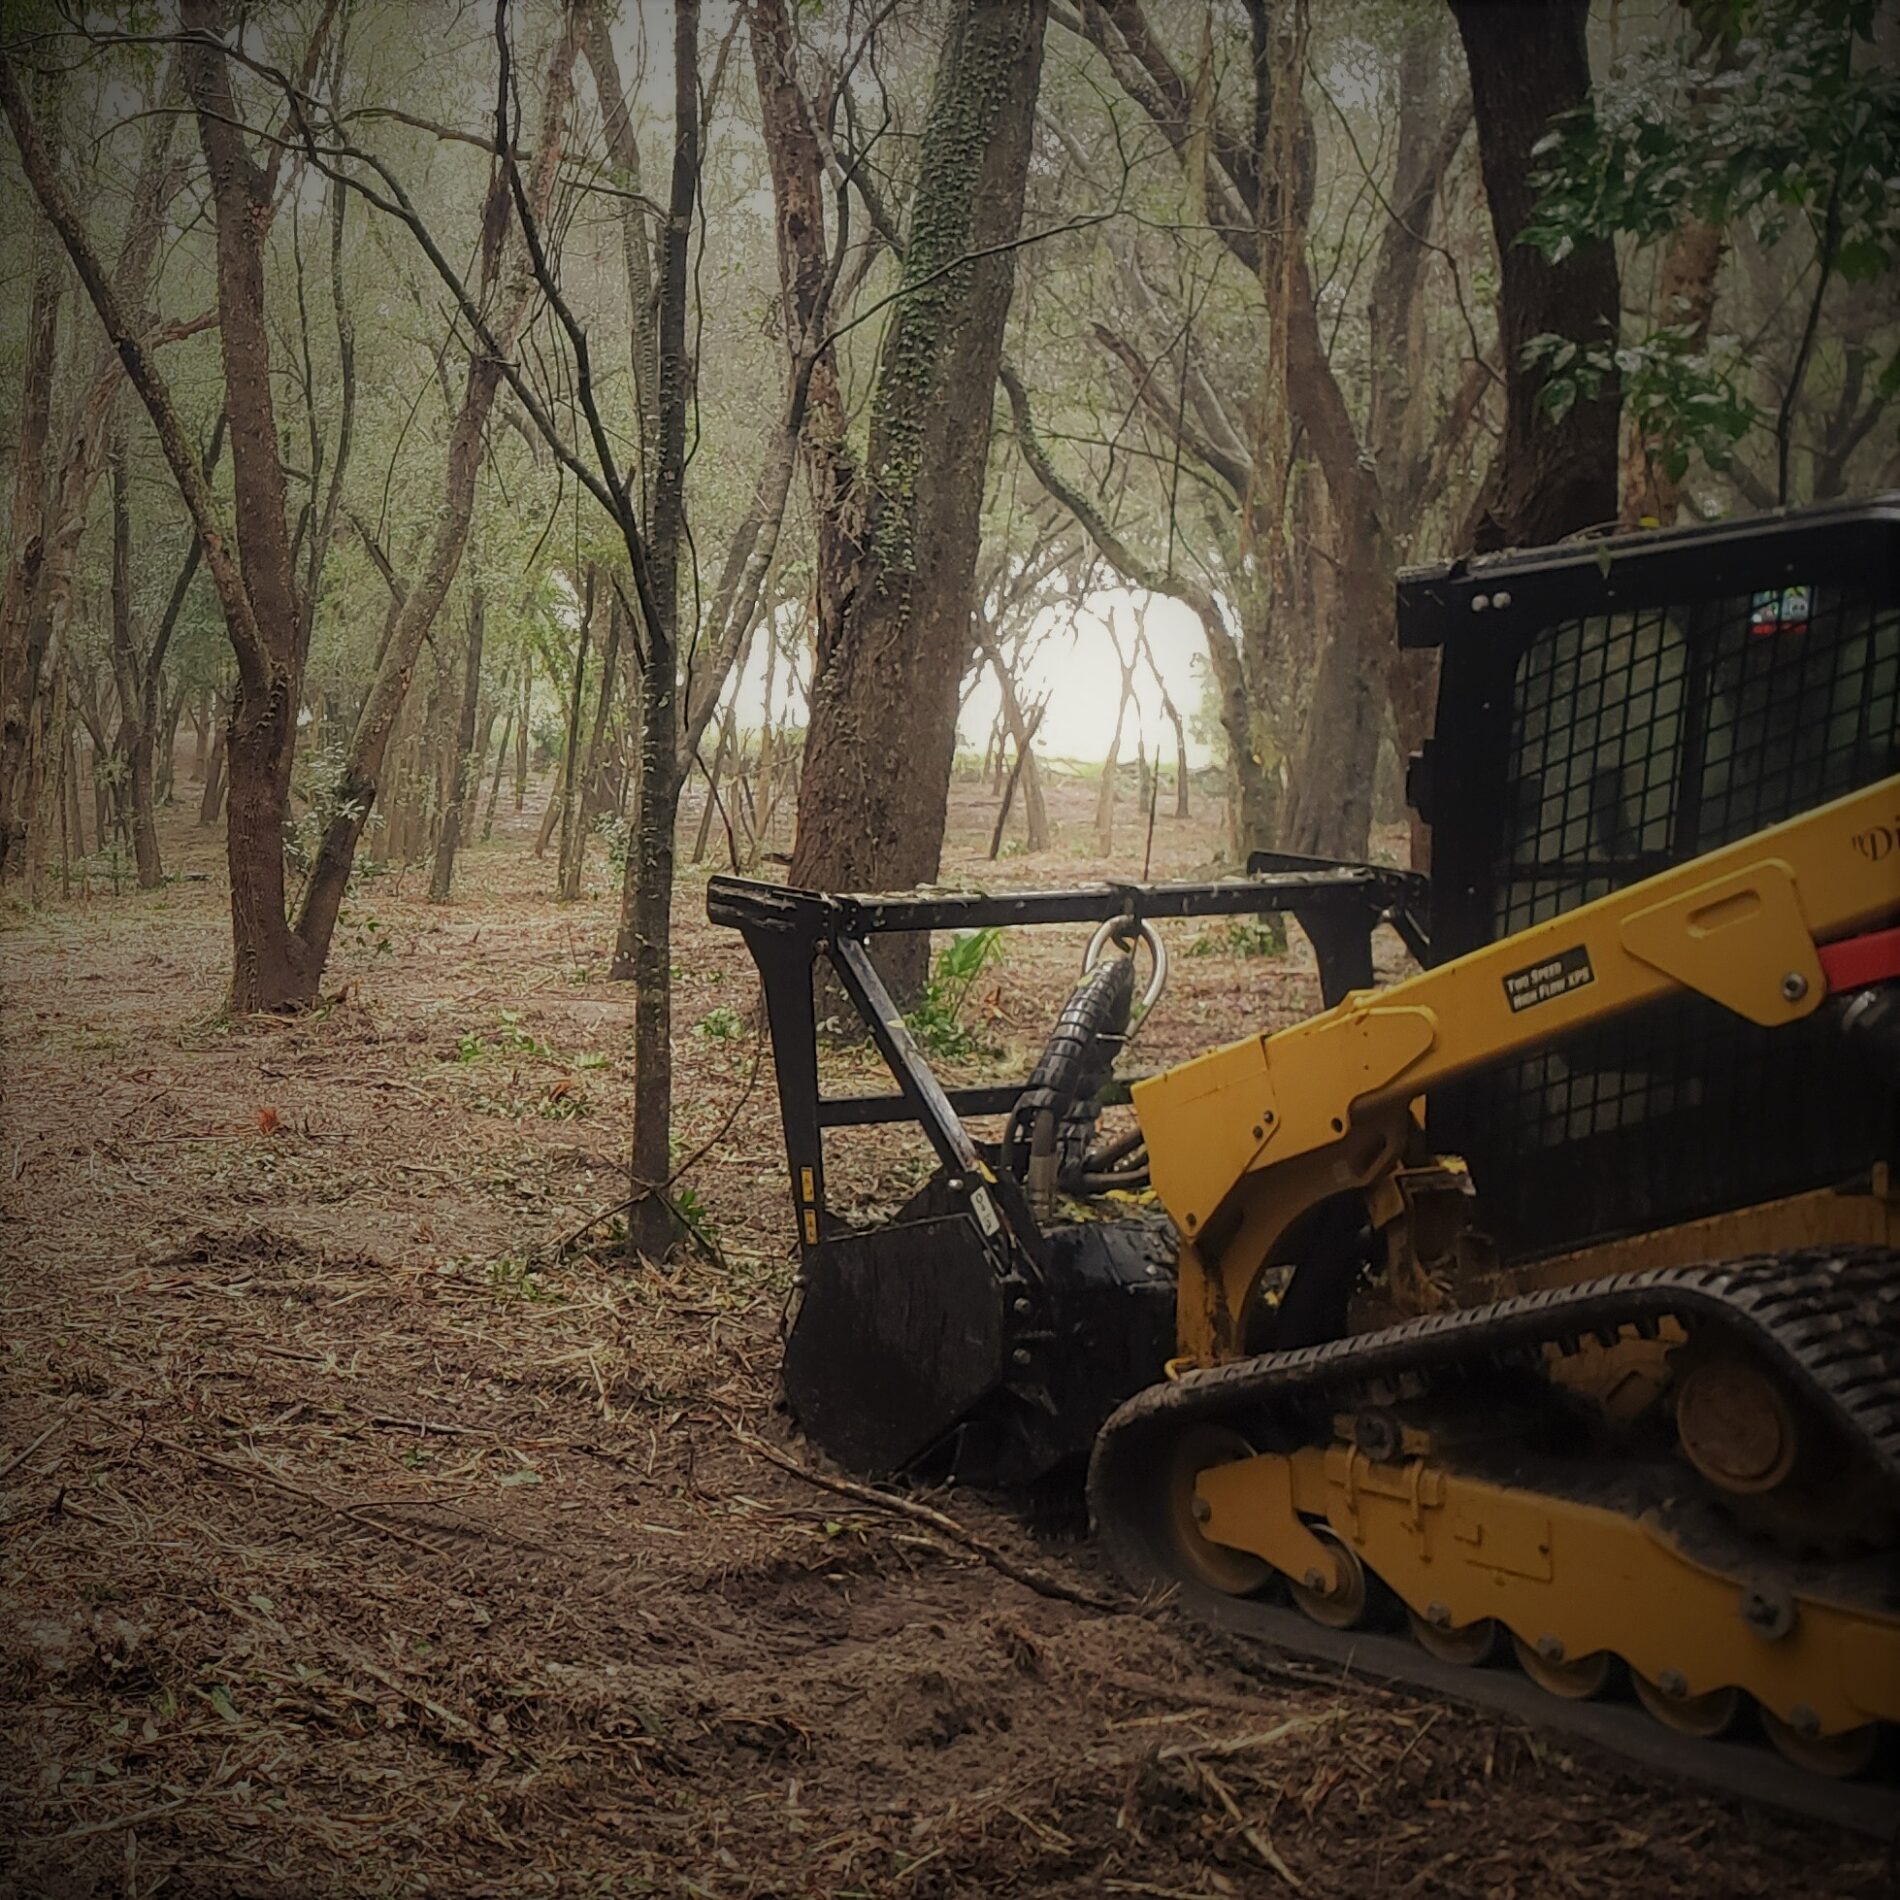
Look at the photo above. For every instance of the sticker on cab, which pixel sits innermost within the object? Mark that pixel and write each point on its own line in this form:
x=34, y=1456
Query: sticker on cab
x=1546, y=981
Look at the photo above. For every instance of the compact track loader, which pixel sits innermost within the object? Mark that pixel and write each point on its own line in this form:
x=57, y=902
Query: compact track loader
x=1543, y=1305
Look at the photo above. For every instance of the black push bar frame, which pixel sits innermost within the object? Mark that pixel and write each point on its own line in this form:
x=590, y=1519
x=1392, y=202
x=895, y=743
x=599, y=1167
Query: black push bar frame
x=1337, y=905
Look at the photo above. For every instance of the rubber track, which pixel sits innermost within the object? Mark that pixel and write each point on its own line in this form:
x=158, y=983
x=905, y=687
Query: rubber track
x=1740, y=1767
x=1828, y=1318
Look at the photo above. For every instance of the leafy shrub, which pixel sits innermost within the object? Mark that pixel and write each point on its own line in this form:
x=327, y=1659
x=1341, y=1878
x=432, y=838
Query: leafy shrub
x=937, y=1021
x=1242, y=937
x=722, y=1024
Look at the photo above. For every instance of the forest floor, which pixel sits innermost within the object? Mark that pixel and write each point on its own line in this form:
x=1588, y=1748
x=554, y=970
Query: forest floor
x=360, y=1537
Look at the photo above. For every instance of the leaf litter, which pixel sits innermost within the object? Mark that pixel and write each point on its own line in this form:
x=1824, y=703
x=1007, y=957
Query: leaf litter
x=371, y=1527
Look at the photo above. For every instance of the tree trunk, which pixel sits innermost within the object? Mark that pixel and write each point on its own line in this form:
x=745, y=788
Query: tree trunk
x=26, y=544
x=623, y=148
x=1685, y=302
x=875, y=784
x=271, y=967
x=1329, y=786
x=1550, y=478
x=644, y=951
x=212, y=801
x=1021, y=732
x=762, y=795
x=521, y=734
x=449, y=838
x=42, y=786
x=643, y=946
x=596, y=789
x=165, y=751
x=501, y=761
x=75, y=828
x=202, y=717
x=721, y=748
x=1105, y=793
x=1025, y=761
x=550, y=816
x=135, y=731
x=508, y=262
x=1172, y=713
x=567, y=881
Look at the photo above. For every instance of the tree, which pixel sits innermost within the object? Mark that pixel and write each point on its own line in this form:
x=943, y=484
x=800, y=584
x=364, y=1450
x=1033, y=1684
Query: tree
x=1127, y=665
x=21, y=652
x=1300, y=639
x=52, y=498
x=467, y=760
x=1747, y=152
x=257, y=589
x=898, y=538
x=1556, y=470
x=507, y=285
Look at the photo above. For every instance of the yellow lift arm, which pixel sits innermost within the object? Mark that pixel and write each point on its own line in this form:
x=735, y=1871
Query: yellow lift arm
x=1246, y=1138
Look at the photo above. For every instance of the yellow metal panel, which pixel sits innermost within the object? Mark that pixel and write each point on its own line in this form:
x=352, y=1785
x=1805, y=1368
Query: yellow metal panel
x=1549, y=1568
x=1283, y=1539
x=1740, y=940
x=1824, y=1219
x=1245, y=1138
x=1217, y=1109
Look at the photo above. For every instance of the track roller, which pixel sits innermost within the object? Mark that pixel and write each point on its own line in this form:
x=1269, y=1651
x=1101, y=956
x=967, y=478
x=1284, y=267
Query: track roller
x=1575, y=1679
x=1837, y=1756
x=1704, y=1716
x=1232, y=1572
x=1344, y=1606
x=1471, y=1646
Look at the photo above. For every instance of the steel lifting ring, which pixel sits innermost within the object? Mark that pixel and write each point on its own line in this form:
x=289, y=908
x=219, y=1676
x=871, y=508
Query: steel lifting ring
x=1117, y=927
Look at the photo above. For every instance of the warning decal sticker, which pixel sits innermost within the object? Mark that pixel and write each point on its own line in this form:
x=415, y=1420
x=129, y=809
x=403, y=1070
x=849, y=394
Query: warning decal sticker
x=1544, y=982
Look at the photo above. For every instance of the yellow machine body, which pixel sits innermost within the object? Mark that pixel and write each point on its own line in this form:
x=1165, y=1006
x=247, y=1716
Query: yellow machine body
x=1244, y=1140
x=1248, y=1139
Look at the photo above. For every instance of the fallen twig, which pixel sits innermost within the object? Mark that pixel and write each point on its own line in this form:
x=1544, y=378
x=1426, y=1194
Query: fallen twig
x=1030, y=1578
x=20, y=1457
x=1255, y=1837
x=136, y=1819
x=459, y=1726
x=1239, y=1744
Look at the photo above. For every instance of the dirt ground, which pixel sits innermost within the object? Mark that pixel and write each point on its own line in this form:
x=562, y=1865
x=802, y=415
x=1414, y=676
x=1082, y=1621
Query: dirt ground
x=370, y=1527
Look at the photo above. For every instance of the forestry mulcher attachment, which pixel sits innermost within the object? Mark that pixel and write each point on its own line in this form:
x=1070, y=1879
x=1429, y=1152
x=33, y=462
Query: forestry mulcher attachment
x=1544, y=1303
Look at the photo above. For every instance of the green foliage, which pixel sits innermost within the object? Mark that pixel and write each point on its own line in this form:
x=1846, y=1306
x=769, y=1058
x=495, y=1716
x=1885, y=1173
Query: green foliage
x=320, y=782
x=1762, y=127
x=513, y=1278
x=692, y=1220
x=1684, y=397
x=507, y=1039
x=937, y=1021
x=1773, y=115
x=720, y=1024
x=368, y=935
x=1241, y=937
x=618, y=836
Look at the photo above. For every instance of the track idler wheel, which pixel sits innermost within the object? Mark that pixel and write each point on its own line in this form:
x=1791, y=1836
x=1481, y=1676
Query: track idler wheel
x=1234, y=1573
x=1839, y=1757
x=1575, y=1679
x=1704, y=1716
x=1345, y=1605
x=1470, y=1647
